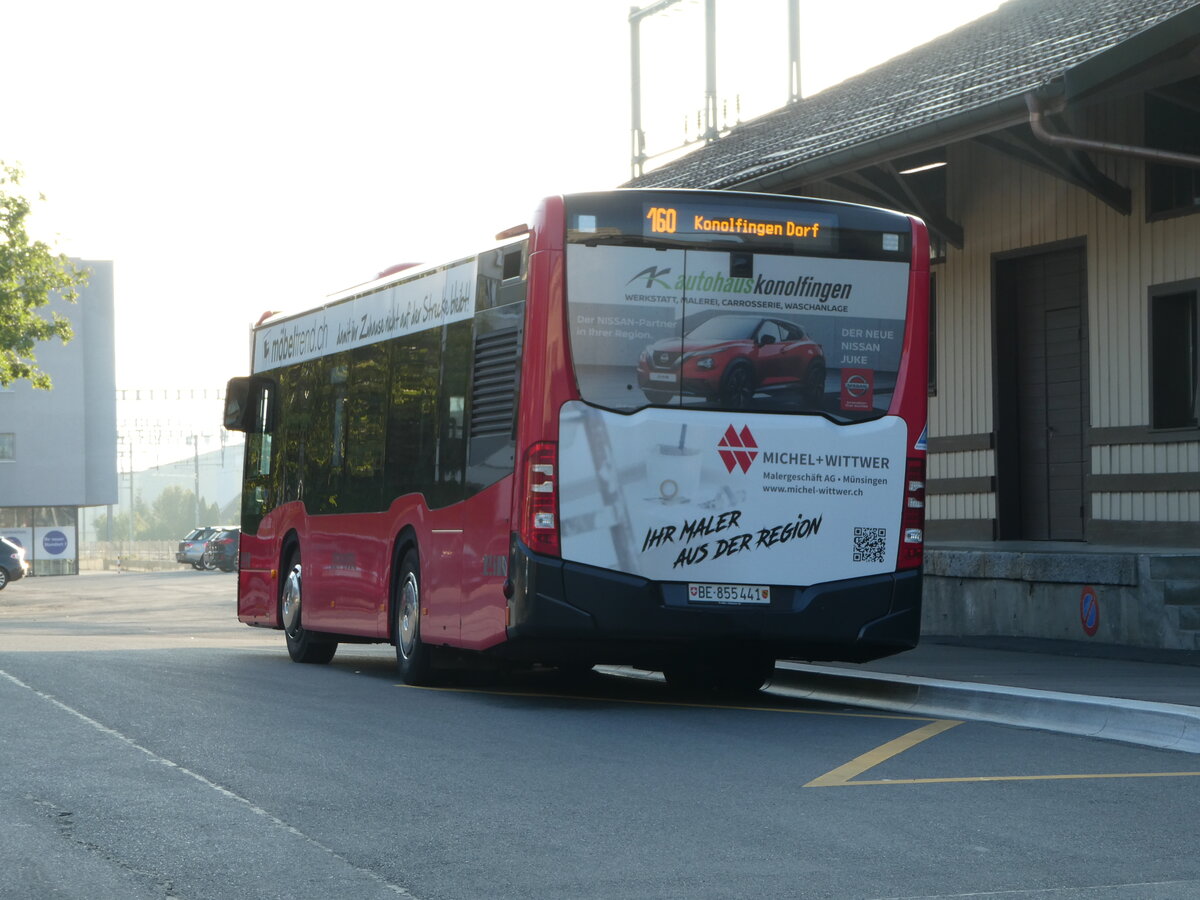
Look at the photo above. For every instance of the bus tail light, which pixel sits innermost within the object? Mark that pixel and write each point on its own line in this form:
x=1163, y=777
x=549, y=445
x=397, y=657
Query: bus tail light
x=912, y=519
x=539, y=523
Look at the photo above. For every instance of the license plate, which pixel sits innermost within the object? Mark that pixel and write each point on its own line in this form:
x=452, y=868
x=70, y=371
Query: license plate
x=729, y=593
x=662, y=376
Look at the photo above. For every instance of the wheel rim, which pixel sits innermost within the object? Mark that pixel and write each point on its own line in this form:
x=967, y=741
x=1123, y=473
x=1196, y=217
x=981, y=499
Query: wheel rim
x=410, y=612
x=3, y=577
x=289, y=609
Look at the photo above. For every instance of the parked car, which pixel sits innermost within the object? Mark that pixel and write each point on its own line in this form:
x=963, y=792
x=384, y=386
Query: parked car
x=221, y=552
x=12, y=562
x=729, y=358
x=191, y=548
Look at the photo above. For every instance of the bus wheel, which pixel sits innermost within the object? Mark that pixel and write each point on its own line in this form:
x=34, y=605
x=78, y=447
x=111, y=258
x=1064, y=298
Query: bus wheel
x=413, y=656
x=737, y=386
x=303, y=645
x=746, y=674
x=741, y=674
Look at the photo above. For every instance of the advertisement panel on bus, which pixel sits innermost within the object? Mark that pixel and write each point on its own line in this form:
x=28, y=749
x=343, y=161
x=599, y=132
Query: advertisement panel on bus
x=810, y=332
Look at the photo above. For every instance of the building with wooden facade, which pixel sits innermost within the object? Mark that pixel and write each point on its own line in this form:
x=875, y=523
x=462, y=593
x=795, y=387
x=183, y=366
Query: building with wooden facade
x=1053, y=147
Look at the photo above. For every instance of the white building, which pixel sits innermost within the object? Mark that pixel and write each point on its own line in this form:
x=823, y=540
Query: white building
x=58, y=448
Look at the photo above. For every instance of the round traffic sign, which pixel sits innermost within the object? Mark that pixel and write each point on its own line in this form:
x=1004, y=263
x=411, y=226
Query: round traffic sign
x=1089, y=610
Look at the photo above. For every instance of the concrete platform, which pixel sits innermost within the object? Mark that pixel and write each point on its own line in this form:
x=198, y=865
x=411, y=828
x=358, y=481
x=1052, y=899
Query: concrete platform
x=1135, y=695
x=1120, y=596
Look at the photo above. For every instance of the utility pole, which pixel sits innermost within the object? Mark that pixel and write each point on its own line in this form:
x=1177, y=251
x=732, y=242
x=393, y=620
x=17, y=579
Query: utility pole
x=712, y=130
x=635, y=80
x=194, y=440
x=793, y=51
x=130, y=442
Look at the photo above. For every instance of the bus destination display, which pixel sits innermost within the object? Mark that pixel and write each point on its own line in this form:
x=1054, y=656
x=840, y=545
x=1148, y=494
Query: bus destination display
x=816, y=230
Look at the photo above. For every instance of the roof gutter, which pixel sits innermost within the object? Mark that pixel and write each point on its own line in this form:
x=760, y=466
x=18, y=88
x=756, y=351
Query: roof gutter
x=1039, y=109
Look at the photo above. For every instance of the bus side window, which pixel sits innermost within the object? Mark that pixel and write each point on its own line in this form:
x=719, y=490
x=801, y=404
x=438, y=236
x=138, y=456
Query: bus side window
x=262, y=432
x=338, y=376
x=411, y=436
x=501, y=278
x=296, y=415
x=452, y=402
x=366, y=428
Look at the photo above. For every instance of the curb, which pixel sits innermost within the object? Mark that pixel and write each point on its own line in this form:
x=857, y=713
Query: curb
x=1167, y=726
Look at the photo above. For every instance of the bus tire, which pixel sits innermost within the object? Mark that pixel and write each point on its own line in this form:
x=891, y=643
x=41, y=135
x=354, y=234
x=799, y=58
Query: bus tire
x=414, y=658
x=739, y=674
x=303, y=646
x=746, y=674
x=737, y=386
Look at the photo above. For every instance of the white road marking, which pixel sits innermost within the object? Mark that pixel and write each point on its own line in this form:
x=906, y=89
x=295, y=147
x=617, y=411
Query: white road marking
x=212, y=785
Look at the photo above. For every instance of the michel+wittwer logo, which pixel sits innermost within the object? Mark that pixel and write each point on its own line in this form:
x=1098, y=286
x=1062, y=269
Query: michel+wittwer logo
x=737, y=449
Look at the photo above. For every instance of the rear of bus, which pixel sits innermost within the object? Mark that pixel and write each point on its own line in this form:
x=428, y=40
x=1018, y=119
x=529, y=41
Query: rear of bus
x=722, y=430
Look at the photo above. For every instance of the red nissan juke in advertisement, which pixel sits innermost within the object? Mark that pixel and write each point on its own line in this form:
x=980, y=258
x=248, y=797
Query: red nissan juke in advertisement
x=727, y=359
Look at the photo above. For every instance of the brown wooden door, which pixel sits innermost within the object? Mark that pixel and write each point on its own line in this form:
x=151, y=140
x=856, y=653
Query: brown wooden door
x=1041, y=396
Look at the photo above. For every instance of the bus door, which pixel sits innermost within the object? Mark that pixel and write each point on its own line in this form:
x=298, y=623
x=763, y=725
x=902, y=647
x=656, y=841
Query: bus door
x=442, y=544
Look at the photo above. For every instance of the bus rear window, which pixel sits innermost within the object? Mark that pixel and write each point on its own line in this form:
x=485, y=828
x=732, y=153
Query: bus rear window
x=685, y=302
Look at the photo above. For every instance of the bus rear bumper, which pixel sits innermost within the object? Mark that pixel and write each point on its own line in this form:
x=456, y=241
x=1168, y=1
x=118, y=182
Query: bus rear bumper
x=568, y=611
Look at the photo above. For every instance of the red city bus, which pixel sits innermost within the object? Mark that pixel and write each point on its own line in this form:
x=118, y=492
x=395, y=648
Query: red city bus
x=679, y=430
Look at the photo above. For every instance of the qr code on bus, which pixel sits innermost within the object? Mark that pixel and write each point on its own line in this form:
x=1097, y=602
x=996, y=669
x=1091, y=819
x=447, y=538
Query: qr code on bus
x=869, y=544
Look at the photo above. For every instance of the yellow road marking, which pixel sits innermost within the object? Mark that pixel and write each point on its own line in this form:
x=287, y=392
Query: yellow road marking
x=1012, y=778
x=679, y=703
x=842, y=774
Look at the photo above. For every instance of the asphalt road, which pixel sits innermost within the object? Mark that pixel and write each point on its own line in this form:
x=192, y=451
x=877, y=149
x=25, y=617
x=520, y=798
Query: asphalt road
x=152, y=747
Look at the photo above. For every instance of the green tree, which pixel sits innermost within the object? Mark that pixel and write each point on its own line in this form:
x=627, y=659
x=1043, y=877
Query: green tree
x=120, y=524
x=168, y=518
x=211, y=514
x=173, y=514
x=29, y=274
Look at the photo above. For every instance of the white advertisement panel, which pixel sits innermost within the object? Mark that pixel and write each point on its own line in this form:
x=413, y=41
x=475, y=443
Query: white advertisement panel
x=729, y=498
x=435, y=299
x=53, y=542
x=22, y=537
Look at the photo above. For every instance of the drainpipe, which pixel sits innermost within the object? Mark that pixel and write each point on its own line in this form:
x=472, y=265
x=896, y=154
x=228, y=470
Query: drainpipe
x=1037, y=113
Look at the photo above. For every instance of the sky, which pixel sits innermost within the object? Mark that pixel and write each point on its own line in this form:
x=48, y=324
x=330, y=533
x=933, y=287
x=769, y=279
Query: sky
x=238, y=157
